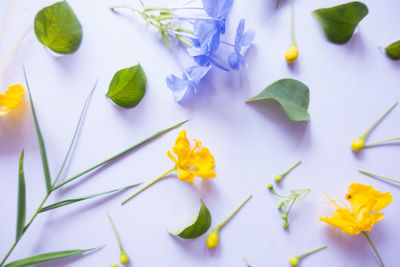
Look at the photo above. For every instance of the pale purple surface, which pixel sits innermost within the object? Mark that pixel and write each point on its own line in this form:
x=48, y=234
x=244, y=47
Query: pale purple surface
x=350, y=85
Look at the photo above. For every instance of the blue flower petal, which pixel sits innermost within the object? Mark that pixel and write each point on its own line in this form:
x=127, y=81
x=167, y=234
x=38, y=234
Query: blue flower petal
x=233, y=61
x=179, y=87
x=217, y=9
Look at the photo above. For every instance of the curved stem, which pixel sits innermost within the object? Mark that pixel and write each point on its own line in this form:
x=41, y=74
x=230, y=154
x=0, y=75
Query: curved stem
x=115, y=232
x=380, y=177
x=291, y=168
x=292, y=21
x=234, y=212
x=373, y=247
x=378, y=120
x=148, y=185
x=382, y=142
x=312, y=251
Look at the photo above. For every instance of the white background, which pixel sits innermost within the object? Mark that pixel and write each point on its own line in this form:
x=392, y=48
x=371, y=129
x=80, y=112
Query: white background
x=350, y=86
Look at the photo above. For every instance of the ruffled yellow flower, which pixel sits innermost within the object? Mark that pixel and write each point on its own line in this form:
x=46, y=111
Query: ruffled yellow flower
x=192, y=162
x=11, y=99
x=365, y=203
x=189, y=163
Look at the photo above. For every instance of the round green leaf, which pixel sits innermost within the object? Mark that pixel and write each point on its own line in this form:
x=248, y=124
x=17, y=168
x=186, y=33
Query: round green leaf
x=339, y=22
x=128, y=87
x=58, y=28
x=393, y=50
x=293, y=96
x=199, y=225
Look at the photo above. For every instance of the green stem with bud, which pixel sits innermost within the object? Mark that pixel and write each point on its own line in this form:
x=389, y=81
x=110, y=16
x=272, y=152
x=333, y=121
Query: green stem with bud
x=373, y=247
x=148, y=185
x=115, y=232
x=291, y=168
x=380, y=177
x=312, y=251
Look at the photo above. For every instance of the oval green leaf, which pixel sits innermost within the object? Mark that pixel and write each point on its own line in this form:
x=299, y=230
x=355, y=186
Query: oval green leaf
x=393, y=50
x=199, y=225
x=21, y=212
x=128, y=87
x=339, y=22
x=58, y=28
x=292, y=95
x=46, y=257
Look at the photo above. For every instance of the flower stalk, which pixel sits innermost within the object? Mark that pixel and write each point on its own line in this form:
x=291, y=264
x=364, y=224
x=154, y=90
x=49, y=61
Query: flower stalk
x=373, y=247
x=279, y=177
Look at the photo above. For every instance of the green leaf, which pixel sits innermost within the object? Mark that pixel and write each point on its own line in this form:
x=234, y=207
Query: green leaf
x=74, y=200
x=21, y=198
x=42, y=147
x=128, y=87
x=393, y=50
x=199, y=225
x=46, y=257
x=292, y=95
x=119, y=154
x=58, y=28
x=339, y=22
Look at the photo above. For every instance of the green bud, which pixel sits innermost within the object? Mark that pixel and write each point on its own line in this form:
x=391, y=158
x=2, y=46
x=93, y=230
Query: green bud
x=294, y=261
x=284, y=216
x=270, y=186
x=285, y=224
x=124, y=259
x=280, y=204
x=278, y=178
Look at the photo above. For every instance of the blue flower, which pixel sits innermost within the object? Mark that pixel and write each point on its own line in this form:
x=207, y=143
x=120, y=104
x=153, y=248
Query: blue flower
x=218, y=10
x=242, y=39
x=190, y=79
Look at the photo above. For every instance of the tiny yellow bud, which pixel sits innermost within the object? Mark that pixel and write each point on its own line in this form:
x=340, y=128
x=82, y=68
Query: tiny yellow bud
x=213, y=239
x=285, y=224
x=358, y=144
x=294, y=261
x=114, y=265
x=292, y=53
x=278, y=178
x=284, y=216
x=270, y=186
x=124, y=259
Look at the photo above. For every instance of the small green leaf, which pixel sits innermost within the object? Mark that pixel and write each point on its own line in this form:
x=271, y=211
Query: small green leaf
x=292, y=95
x=21, y=198
x=199, y=225
x=339, y=22
x=58, y=28
x=46, y=257
x=42, y=147
x=393, y=50
x=128, y=87
x=74, y=200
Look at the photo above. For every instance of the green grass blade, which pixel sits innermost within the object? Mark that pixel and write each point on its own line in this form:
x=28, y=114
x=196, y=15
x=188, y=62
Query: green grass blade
x=119, y=154
x=40, y=140
x=78, y=126
x=74, y=200
x=47, y=257
x=21, y=198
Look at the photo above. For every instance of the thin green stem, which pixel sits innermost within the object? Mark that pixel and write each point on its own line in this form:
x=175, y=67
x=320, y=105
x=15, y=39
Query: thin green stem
x=380, y=119
x=292, y=21
x=383, y=141
x=148, y=185
x=8, y=253
x=380, y=177
x=234, y=212
x=291, y=168
x=312, y=251
x=115, y=232
x=373, y=247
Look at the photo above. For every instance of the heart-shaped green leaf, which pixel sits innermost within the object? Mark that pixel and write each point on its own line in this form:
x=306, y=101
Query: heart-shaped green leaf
x=46, y=257
x=339, y=22
x=293, y=96
x=128, y=87
x=393, y=50
x=58, y=28
x=199, y=225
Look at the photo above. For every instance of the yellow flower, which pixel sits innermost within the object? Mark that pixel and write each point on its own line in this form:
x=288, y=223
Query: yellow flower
x=365, y=203
x=11, y=99
x=192, y=162
x=292, y=53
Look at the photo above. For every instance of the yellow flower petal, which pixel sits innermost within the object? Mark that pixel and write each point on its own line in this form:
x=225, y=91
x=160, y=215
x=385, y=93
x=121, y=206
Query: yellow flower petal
x=11, y=99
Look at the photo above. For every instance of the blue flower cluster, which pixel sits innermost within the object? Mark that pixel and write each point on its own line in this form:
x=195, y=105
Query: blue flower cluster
x=205, y=43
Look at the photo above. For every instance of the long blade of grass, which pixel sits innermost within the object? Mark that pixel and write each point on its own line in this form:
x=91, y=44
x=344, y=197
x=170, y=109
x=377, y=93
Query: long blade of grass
x=47, y=257
x=74, y=200
x=42, y=147
x=119, y=154
x=78, y=126
x=21, y=212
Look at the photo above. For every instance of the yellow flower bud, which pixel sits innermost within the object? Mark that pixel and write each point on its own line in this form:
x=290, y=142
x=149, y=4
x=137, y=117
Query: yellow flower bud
x=292, y=53
x=358, y=144
x=294, y=261
x=213, y=239
x=285, y=224
x=270, y=186
x=278, y=178
x=124, y=259
x=114, y=265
